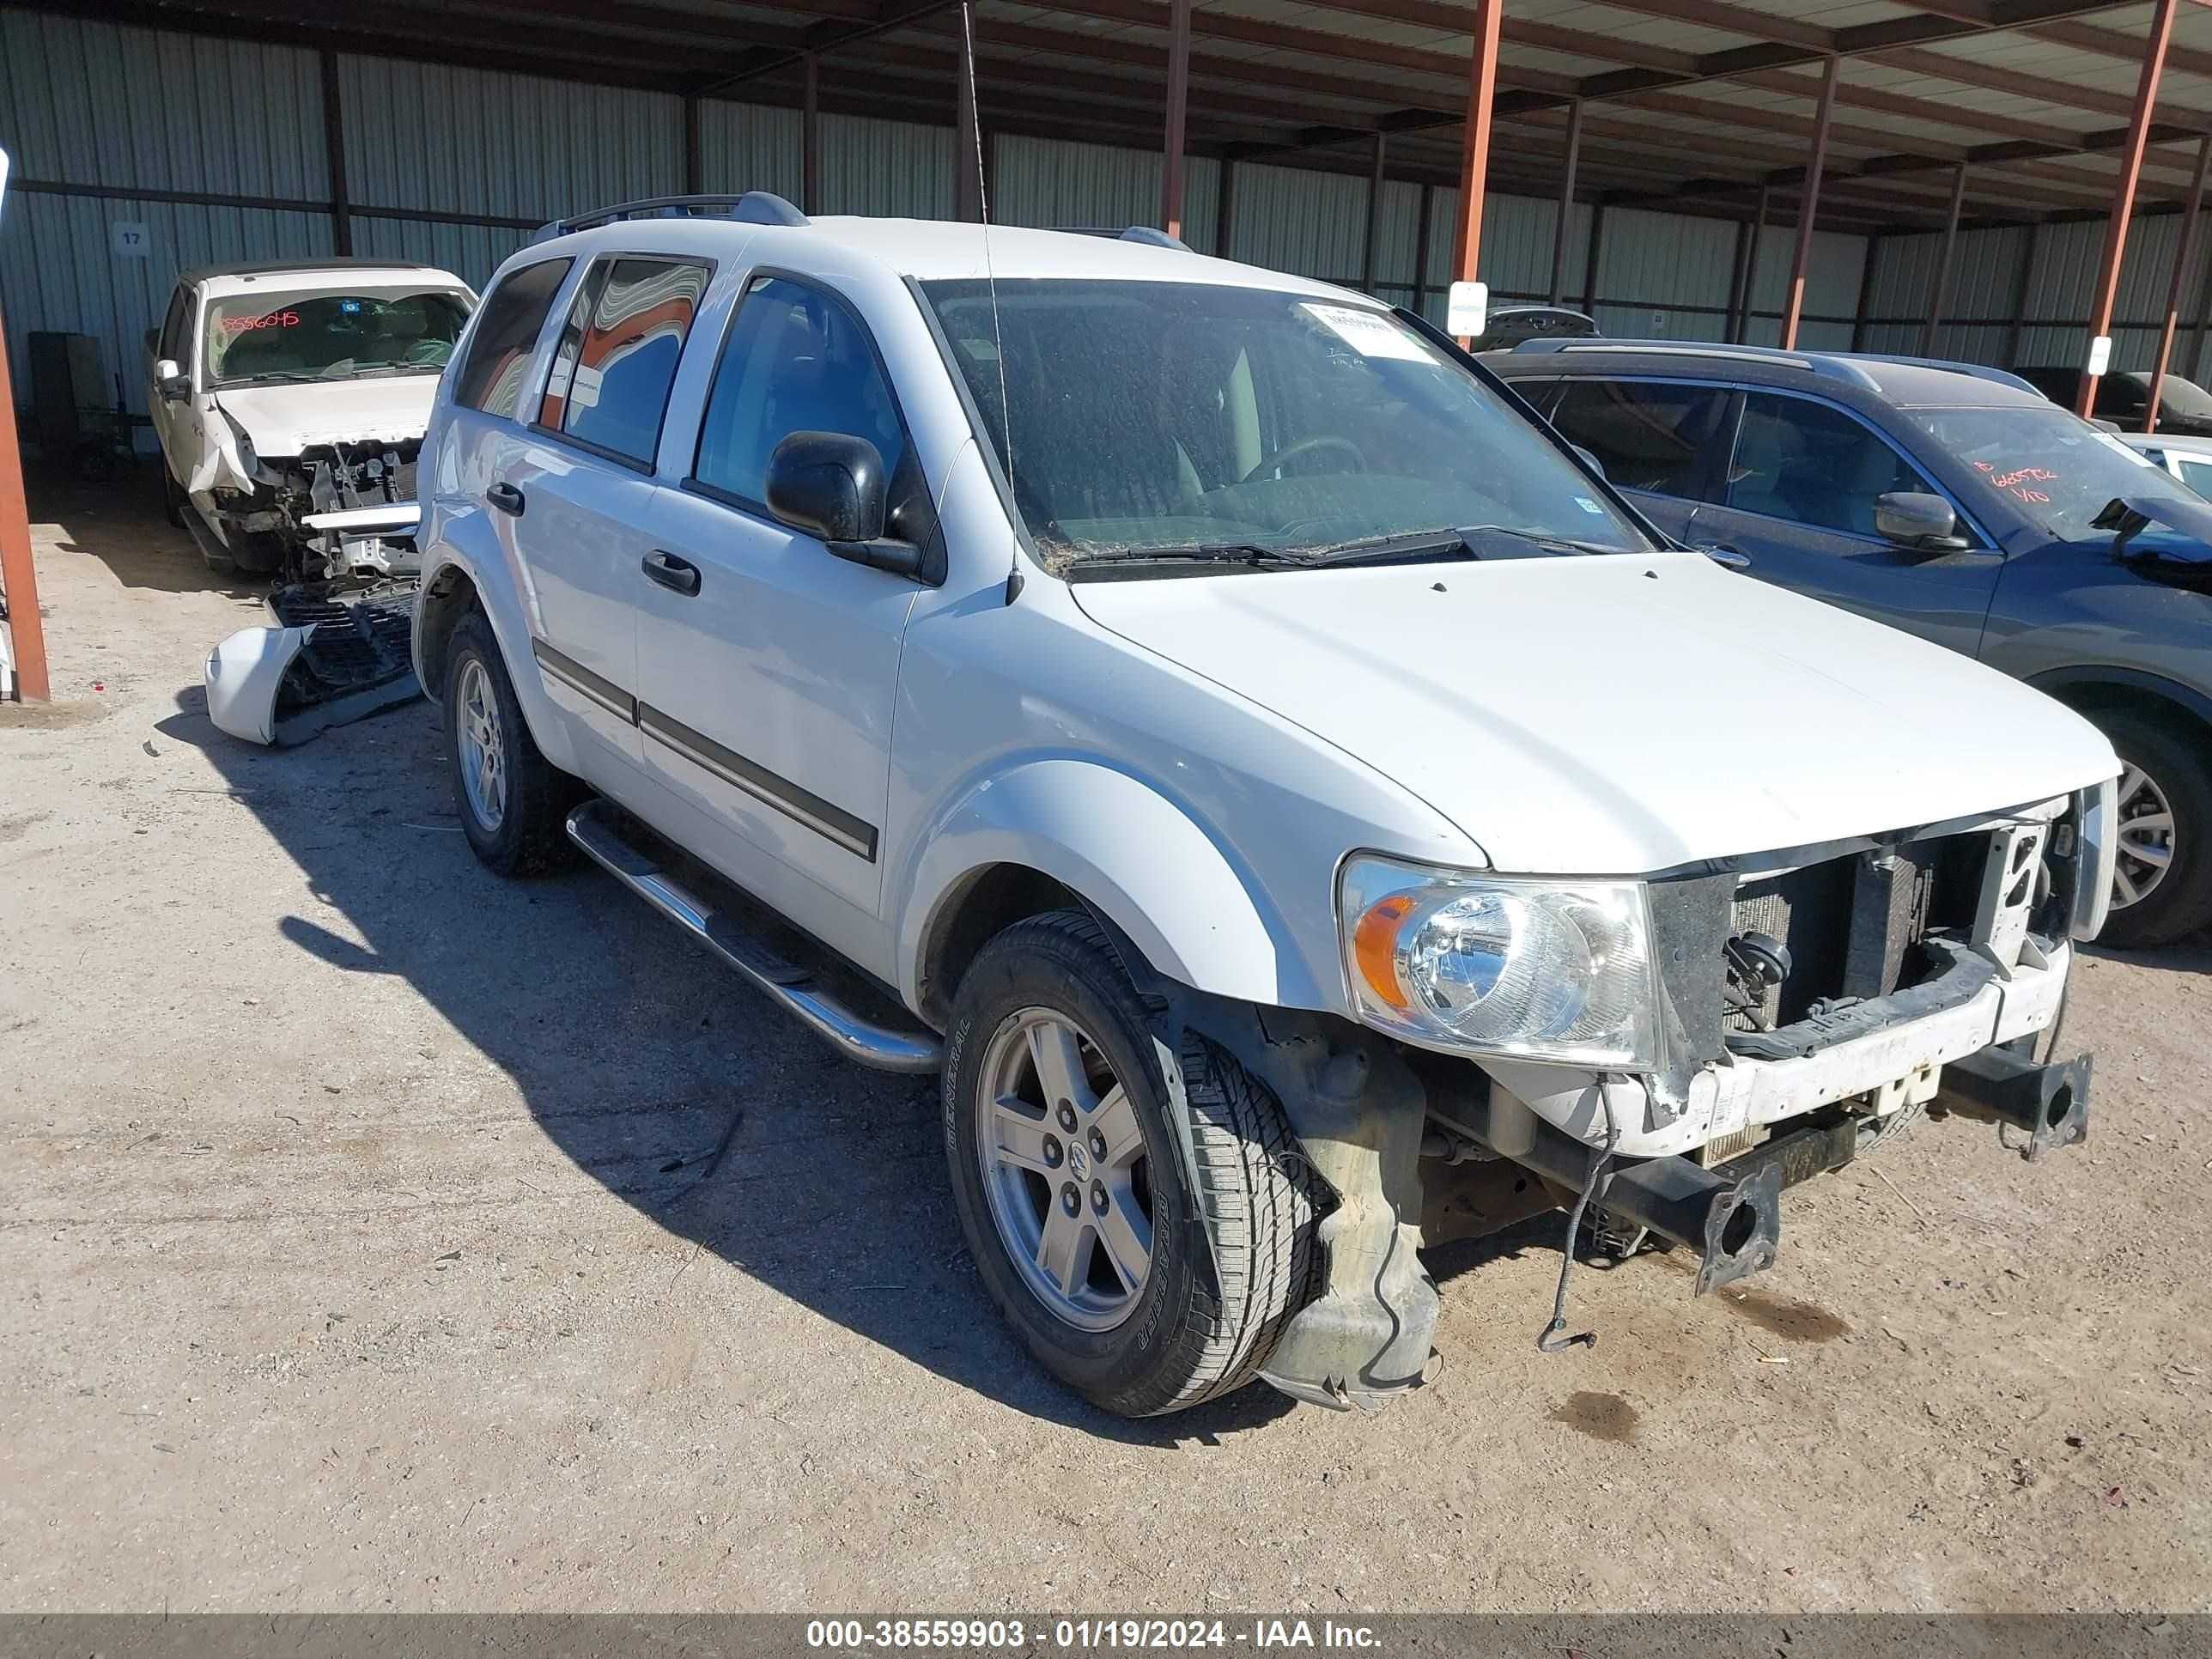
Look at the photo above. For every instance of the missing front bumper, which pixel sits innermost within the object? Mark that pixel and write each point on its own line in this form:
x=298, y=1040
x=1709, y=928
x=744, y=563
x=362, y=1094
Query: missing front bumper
x=2049, y=1104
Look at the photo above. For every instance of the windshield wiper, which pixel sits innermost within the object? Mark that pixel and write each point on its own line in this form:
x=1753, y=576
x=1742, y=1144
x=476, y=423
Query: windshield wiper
x=1480, y=541
x=1251, y=554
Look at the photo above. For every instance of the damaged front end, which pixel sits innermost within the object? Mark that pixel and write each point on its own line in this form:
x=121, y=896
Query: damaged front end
x=1814, y=1005
x=336, y=654
x=287, y=515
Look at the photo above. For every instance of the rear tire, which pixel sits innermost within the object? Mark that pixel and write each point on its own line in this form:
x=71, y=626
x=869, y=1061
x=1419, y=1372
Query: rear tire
x=514, y=803
x=2174, y=773
x=1220, y=1278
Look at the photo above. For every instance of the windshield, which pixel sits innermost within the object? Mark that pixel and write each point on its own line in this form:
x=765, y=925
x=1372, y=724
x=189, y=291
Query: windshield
x=318, y=335
x=1150, y=417
x=2060, y=471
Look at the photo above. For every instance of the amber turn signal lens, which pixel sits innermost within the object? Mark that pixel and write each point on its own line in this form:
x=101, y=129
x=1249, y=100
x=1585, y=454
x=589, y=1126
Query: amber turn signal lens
x=1375, y=948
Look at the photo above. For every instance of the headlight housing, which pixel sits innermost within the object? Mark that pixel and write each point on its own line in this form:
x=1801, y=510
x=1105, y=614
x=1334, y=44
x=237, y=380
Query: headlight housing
x=1554, y=970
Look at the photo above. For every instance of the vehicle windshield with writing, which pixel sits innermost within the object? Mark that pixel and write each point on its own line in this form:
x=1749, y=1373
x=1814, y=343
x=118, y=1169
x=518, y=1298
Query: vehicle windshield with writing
x=286, y=393
x=1302, y=812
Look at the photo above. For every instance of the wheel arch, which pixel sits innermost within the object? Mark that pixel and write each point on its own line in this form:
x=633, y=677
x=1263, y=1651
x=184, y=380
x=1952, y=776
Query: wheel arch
x=2089, y=688
x=1071, y=834
x=448, y=596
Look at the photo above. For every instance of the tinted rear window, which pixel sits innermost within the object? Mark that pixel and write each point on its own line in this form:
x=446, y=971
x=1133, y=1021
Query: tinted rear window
x=490, y=376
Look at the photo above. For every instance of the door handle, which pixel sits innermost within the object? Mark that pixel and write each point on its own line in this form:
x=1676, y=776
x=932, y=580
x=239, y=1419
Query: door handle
x=677, y=576
x=1727, y=557
x=507, y=498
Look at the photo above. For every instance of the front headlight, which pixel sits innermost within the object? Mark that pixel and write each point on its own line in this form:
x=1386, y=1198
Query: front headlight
x=1549, y=970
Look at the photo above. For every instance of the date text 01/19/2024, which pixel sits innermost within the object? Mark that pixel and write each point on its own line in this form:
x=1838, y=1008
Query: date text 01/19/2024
x=1086, y=1635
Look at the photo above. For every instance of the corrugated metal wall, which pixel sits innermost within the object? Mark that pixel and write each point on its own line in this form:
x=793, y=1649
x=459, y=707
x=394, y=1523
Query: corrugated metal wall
x=2045, y=276
x=453, y=166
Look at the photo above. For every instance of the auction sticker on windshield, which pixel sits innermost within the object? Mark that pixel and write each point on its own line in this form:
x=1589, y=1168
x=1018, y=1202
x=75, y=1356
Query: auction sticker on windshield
x=1367, y=333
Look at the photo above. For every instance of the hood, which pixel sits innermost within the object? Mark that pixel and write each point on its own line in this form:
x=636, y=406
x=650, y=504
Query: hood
x=1619, y=714
x=283, y=420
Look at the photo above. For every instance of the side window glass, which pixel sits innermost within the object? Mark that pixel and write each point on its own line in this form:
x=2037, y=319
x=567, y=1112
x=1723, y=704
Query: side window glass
x=1645, y=436
x=1540, y=394
x=2197, y=475
x=172, y=344
x=618, y=357
x=1812, y=465
x=795, y=361
x=490, y=377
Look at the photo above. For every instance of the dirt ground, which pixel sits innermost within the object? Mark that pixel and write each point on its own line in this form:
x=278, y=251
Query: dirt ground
x=361, y=1255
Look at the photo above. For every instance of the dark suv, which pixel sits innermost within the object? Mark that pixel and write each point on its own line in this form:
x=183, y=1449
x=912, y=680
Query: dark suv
x=1956, y=502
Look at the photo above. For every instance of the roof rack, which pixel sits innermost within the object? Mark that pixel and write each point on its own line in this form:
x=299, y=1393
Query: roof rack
x=1150, y=235
x=1812, y=363
x=756, y=207
x=1979, y=371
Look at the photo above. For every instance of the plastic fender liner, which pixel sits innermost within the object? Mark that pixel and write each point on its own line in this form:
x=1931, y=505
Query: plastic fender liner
x=1359, y=1112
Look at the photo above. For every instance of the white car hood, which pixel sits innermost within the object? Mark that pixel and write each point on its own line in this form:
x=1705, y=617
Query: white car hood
x=283, y=420
x=1619, y=714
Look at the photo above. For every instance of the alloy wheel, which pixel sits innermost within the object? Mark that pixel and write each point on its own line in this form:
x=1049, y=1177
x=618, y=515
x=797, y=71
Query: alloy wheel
x=1065, y=1169
x=483, y=755
x=2146, y=845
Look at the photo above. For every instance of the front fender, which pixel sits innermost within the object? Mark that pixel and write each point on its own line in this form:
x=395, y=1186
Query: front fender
x=1180, y=897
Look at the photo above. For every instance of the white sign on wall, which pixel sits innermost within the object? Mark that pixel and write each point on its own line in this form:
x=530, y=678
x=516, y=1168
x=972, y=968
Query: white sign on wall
x=2101, y=354
x=1467, y=308
x=130, y=239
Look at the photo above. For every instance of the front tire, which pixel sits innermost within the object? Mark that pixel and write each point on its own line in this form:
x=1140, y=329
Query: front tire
x=514, y=803
x=2162, y=887
x=1070, y=1180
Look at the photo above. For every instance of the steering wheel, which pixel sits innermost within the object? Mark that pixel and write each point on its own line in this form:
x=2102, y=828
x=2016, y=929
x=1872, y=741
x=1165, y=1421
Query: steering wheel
x=426, y=353
x=1306, y=446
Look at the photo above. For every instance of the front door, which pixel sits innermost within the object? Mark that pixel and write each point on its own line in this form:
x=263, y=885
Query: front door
x=1655, y=439
x=767, y=679
x=1798, y=502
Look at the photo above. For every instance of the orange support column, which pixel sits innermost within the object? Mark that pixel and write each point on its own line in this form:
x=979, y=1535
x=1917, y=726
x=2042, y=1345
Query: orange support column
x=2124, y=202
x=1475, y=155
x=25, y=628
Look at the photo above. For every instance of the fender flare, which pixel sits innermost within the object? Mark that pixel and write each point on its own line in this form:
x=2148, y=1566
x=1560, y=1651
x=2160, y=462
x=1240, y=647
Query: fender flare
x=503, y=604
x=2054, y=681
x=1148, y=867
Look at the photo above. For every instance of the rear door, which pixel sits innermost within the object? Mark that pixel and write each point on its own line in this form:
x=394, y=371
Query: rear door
x=769, y=678
x=1658, y=441
x=578, y=484
x=1798, y=500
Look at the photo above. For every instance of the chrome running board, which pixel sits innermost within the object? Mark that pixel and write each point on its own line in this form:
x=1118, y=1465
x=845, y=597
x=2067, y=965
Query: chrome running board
x=595, y=826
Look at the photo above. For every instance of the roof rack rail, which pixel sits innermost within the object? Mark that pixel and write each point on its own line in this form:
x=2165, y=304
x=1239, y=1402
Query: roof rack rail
x=1979, y=371
x=756, y=207
x=1814, y=363
x=1148, y=235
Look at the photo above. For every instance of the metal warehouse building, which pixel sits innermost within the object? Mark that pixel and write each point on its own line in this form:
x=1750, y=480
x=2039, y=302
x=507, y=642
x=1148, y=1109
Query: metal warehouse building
x=1647, y=158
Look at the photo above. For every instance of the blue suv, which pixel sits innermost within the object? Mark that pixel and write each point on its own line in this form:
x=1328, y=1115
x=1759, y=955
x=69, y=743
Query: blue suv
x=1953, y=502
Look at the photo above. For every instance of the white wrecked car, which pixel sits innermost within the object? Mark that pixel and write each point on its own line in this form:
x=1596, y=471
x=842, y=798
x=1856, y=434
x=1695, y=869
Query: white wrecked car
x=289, y=399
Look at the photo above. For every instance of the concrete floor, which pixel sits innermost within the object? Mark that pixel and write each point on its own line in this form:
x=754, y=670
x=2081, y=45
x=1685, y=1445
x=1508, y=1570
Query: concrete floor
x=359, y=1256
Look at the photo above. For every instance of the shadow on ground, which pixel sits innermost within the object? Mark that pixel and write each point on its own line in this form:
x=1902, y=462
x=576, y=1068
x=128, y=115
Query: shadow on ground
x=119, y=521
x=647, y=1064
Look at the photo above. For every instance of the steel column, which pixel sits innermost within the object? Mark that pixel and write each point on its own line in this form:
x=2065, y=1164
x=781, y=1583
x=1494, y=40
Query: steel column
x=1567, y=209
x=1808, y=206
x=2188, y=236
x=334, y=152
x=1224, y=203
x=1597, y=246
x=810, y=136
x=1428, y=211
x=967, y=149
x=1747, y=273
x=1939, y=283
x=2021, y=278
x=26, y=627
x=2124, y=199
x=694, y=170
x=1178, y=100
x=1474, y=153
x=1374, y=217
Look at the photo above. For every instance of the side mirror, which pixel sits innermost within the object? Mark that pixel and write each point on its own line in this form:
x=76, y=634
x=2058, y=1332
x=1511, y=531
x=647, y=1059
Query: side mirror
x=172, y=382
x=1922, y=522
x=1589, y=461
x=832, y=485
